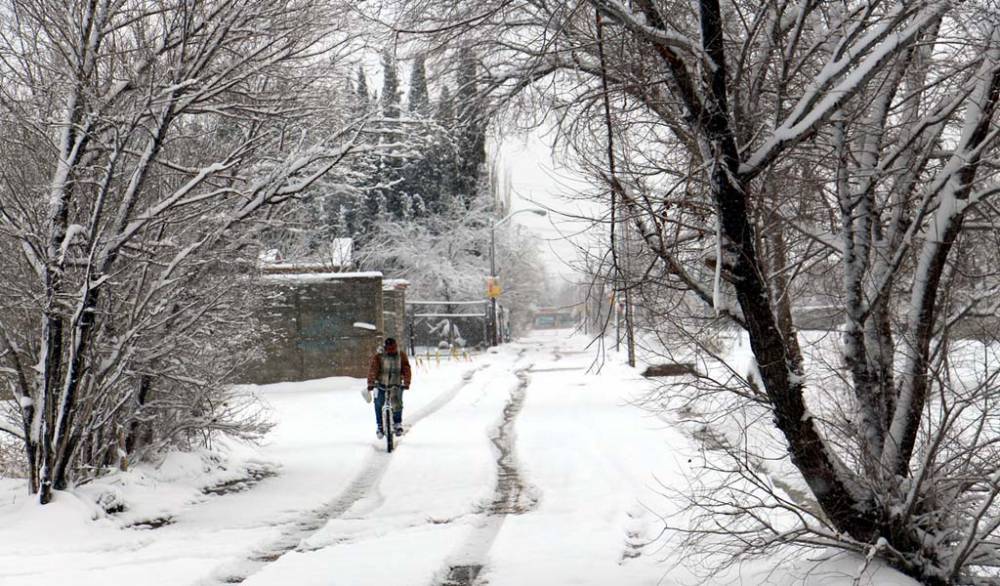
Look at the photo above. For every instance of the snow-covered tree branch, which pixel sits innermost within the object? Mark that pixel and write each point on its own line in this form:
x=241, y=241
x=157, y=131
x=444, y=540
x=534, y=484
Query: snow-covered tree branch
x=775, y=158
x=144, y=143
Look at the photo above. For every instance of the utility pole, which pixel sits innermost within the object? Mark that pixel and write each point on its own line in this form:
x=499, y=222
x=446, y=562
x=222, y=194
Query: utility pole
x=617, y=194
x=494, y=284
x=629, y=315
x=618, y=319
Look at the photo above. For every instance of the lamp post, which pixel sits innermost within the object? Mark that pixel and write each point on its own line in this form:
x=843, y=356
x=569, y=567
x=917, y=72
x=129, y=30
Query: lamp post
x=493, y=266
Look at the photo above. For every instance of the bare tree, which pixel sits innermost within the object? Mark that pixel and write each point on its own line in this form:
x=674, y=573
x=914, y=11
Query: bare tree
x=143, y=142
x=763, y=144
x=445, y=256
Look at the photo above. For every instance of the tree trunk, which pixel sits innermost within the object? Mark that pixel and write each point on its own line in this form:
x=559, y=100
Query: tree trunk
x=809, y=452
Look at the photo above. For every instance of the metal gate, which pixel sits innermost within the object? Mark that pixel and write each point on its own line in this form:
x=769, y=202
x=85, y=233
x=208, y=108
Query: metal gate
x=439, y=324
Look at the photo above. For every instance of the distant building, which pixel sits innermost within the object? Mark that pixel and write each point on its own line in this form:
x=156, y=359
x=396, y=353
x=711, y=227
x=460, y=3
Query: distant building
x=549, y=318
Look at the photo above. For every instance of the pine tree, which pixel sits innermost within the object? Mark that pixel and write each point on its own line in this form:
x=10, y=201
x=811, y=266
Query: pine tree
x=445, y=154
x=420, y=178
x=364, y=95
x=471, y=128
x=445, y=109
x=444, y=145
x=419, y=101
x=389, y=199
x=390, y=85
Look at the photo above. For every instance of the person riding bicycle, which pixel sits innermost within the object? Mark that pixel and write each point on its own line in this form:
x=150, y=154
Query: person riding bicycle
x=389, y=367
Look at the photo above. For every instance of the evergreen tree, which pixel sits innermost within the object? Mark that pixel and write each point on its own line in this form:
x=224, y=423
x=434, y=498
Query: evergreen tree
x=364, y=99
x=433, y=169
x=445, y=109
x=388, y=198
x=426, y=178
x=471, y=128
x=445, y=154
x=390, y=85
x=419, y=100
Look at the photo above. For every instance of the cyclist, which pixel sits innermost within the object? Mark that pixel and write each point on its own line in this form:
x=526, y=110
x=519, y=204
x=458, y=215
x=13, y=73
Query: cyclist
x=388, y=367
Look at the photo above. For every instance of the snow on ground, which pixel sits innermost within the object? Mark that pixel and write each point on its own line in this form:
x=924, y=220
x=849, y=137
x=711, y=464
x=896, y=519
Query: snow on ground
x=593, y=484
x=441, y=473
x=323, y=438
x=522, y=466
x=600, y=466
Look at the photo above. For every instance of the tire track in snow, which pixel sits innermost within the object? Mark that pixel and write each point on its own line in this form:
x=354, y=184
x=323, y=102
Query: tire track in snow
x=311, y=522
x=512, y=495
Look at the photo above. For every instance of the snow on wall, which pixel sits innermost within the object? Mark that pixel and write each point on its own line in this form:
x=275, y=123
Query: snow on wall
x=305, y=277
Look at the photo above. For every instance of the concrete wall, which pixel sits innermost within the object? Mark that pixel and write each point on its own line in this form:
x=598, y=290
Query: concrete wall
x=309, y=322
x=394, y=311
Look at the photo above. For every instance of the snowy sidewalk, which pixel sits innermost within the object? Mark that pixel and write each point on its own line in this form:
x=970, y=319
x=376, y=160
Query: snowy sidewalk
x=568, y=507
x=521, y=468
x=428, y=498
x=323, y=440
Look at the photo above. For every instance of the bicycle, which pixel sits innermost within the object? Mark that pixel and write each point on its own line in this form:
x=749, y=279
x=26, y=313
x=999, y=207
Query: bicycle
x=387, y=424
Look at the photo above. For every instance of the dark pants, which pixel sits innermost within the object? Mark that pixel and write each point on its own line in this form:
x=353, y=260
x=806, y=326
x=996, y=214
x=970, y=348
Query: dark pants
x=396, y=400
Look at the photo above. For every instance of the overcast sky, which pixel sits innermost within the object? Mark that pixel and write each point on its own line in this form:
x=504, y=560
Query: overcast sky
x=538, y=180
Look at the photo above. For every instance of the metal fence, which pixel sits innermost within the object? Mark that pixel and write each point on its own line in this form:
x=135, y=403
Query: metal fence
x=447, y=324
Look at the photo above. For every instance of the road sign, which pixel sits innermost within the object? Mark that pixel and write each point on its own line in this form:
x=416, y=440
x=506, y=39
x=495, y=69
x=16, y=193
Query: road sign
x=493, y=289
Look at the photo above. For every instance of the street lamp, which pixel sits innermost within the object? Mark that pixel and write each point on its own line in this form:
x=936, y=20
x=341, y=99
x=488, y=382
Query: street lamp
x=493, y=265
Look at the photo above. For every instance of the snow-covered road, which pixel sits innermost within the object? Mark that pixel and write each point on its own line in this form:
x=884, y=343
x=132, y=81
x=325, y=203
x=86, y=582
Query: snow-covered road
x=526, y=477
x=521, y=467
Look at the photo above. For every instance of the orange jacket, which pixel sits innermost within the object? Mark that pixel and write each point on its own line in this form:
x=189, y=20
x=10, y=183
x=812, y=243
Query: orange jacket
x=375, y=369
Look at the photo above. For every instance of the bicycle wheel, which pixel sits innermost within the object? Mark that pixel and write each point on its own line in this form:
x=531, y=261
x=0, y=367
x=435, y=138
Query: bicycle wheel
x=387, y=424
